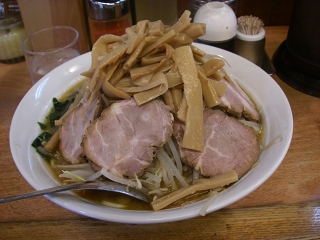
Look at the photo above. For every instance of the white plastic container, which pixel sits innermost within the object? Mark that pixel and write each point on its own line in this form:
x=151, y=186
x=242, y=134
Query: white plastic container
x=11, y=34
x=221, y=24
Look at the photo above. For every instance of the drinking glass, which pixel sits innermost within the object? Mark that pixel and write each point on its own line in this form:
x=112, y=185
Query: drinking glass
x=48, y=48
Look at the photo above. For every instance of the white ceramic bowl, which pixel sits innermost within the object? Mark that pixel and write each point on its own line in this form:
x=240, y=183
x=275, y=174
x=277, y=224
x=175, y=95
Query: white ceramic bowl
x=220, y=20
x=276, y=115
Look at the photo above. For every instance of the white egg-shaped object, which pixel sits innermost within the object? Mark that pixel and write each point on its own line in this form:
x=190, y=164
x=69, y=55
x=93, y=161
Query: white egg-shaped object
x=220, y=20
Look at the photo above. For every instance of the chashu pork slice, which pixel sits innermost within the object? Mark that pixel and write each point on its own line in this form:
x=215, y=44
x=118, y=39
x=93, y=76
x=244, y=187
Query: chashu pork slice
x=237, y=103
x=125, y=139
x=73, y=128
x=229, y=145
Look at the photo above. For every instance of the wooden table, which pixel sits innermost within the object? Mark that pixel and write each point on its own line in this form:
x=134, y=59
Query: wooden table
x=286, y=206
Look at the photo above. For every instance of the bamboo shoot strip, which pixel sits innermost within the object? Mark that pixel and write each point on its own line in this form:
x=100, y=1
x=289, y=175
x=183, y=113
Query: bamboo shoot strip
x=194, y=134
x=199, y=185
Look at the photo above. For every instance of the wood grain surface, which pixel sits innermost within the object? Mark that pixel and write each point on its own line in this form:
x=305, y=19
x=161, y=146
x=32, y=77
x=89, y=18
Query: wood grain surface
x=286, y=206
x=37, y=15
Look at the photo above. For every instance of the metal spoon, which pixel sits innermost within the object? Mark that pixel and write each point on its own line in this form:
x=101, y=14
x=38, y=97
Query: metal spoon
x=104, y=185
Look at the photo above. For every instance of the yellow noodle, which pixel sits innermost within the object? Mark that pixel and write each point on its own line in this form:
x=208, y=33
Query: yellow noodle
x=124, y=82
x=156, y=80
x=139, y=72
x=99, y=50
x=195, y=30
x=136, y=73
x=219, y=87
x=162, y=40
x=142, y=81
x=107, y=88
x=113, y=92
x=111, y=70
x=212, y=66
x=218, y=75
x=167, y=97
x=158, y=50
x=199, y=59
x=166, y=66
x=209, y=94
x=147, y=60
x=174, y=78
x=179, y=40
x=183, y=22
x=108, y=59
x=197, y=51
x=156, y=28
x=146, y=96
x=183, y=109
x=141, y=26
x=136, y=39
x=133, y=57
x=176, y=98
x=117, y=75
x=151, y=39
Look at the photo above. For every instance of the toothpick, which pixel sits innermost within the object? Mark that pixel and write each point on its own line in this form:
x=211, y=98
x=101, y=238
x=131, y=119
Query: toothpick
x=249, y=25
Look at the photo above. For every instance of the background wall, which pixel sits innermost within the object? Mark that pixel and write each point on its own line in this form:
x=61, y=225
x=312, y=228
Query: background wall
x=272, y=12
x=40, y=14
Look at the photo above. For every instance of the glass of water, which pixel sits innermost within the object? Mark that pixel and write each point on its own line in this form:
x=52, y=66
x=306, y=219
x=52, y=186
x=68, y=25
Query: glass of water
x=48, y=48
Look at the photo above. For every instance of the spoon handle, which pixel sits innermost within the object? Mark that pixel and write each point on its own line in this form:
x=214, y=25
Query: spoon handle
x=74, y=186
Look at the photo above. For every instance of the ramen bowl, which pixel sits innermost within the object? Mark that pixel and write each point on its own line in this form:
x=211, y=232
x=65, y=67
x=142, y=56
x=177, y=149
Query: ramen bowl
x=265, y=92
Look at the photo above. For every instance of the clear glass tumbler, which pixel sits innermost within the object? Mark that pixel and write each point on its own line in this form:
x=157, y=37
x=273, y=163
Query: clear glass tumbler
x=48, y=48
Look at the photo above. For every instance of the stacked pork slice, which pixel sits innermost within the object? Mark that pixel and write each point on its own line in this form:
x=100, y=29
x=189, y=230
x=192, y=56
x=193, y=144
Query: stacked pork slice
x=124, y=138
x=74, y=127
x=229, y=145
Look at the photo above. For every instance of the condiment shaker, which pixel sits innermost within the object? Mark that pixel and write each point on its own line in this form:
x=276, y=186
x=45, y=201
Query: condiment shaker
x=11, y=33
x=194, y=5
x=221, y=25
x=108, y=17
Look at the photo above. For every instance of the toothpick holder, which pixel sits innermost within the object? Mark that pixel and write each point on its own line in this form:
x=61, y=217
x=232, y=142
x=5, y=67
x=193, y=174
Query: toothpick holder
x=251, y=47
